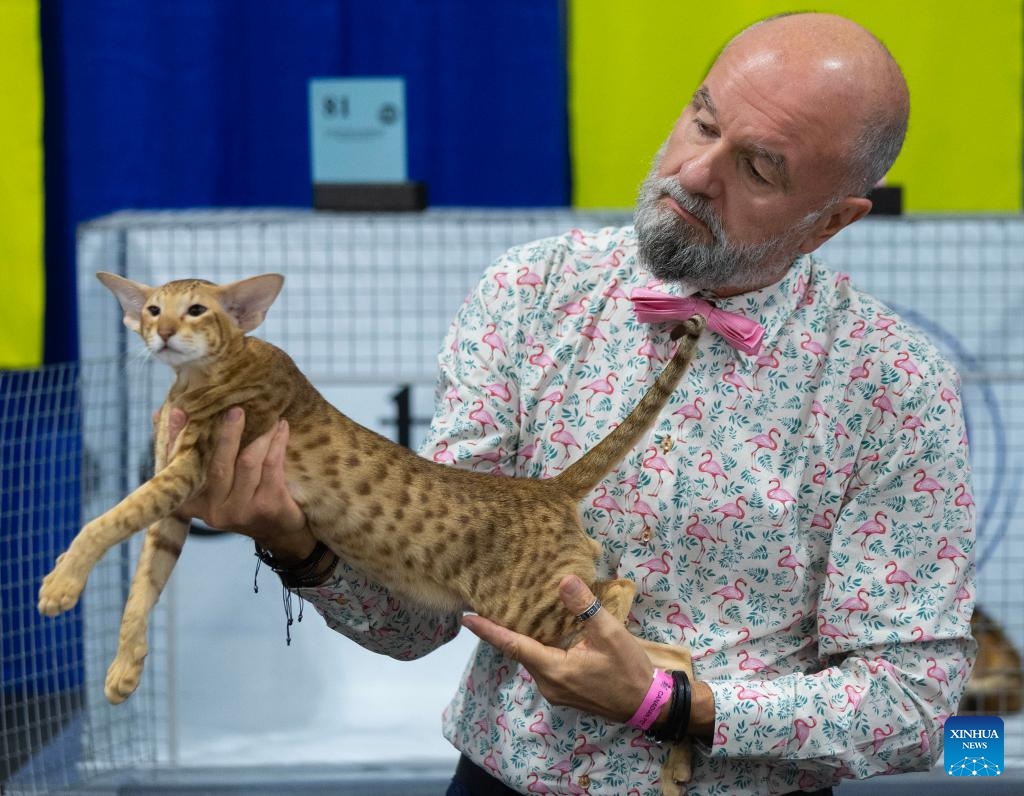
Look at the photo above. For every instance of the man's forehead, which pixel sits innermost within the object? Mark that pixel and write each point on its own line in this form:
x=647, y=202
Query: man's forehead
x=787, y=123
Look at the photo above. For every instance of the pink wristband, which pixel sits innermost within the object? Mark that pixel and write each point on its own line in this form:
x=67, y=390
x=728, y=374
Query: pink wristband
x=657, y=695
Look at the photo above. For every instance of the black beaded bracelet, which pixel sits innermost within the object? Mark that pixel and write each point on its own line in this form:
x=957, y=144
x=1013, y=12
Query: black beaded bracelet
x=677, y=722
x=307, y=572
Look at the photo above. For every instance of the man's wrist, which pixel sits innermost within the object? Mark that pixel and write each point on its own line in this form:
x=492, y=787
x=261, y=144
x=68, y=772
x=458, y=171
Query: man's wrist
x=312, y=570
x=289, y=552
x=702, y=712
x=673, y=723
x=287, y=538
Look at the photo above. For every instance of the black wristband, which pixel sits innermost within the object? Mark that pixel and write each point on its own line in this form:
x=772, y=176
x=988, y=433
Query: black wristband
x=677, y=722
x=308, y=572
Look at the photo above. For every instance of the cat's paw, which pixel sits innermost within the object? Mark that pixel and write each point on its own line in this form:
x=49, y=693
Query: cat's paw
x=60, y=590
x=124, y=674
x=678, y=769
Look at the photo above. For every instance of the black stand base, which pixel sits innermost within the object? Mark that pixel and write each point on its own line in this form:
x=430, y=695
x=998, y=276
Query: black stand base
x=370, y=197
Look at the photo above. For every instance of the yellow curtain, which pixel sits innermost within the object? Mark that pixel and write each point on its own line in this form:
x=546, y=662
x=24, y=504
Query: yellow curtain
x=634, y=66
x=22, y=285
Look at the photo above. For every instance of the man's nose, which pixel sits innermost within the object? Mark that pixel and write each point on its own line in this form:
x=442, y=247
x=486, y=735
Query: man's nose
x=700, y=172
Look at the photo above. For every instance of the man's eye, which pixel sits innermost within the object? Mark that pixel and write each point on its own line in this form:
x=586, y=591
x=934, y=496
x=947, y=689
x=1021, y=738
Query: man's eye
x=703, y=127
x=196, y=310
x=754, y=173
x=153, y=310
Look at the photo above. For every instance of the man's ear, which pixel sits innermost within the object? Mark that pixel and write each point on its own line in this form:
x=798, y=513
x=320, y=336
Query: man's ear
x=836, y=218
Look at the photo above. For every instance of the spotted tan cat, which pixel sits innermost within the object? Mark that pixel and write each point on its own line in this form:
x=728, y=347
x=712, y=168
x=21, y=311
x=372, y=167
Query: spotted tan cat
x=996, y=686
x=444, y=537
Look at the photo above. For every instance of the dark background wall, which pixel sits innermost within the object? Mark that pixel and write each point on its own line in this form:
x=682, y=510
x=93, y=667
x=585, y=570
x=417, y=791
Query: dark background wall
x=202, y=103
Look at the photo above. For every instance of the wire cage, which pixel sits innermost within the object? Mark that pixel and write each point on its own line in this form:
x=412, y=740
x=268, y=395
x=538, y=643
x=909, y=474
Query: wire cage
x=367, y=301
x=56, y=728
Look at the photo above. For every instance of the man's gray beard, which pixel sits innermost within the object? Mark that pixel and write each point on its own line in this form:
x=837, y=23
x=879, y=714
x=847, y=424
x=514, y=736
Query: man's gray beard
x=672, y=251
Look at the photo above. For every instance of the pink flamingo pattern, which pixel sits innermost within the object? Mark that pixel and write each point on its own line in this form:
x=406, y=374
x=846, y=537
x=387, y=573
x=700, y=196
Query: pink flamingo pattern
x=781, y=496
x=720, y=564
x=659, y=565
x=895, y=576
x=690, y=411
x=652, y=461
x=909, y=367
x=607, y=503
x=930, y=487
x=763, y=442
x=769, y=360
x=709, y=466
x=697, y=530
x=790, y=561
x=950, y=553
x=493, y=341
x=602, y=386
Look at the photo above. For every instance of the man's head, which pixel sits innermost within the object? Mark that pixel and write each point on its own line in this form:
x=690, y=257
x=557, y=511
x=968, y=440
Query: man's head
x=799, y=116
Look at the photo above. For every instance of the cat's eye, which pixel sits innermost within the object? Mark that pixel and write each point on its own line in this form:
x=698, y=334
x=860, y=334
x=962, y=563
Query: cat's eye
x=196, y=309
x=153, y=310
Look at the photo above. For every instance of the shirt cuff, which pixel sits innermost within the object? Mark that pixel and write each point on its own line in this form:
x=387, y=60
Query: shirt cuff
x=753, y=718
x=337, y=598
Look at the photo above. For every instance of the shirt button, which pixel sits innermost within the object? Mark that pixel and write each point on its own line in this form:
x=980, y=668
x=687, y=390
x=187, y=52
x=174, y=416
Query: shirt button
x=583, y=782
x=666, y=443
x=645, y=537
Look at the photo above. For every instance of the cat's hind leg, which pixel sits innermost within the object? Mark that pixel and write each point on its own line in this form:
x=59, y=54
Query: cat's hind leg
x=160, y=551
x=679, y=766
x=617, y=597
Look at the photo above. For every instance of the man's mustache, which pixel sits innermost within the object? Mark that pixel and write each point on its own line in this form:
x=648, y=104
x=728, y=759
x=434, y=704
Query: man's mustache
x=699, y=208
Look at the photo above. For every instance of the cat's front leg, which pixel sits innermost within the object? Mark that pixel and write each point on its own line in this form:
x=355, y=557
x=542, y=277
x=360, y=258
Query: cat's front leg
x=154, y=500
x=160, y=551
x=62, y=587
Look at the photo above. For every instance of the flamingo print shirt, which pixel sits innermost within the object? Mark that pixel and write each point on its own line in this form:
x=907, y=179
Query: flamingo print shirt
x=800, y=519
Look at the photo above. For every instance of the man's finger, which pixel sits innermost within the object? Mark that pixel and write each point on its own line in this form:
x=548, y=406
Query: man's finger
x=249, y=466
x=221, y=472
x=580, y=600
x=273, y=462
x=176, y=421
x=514, y=645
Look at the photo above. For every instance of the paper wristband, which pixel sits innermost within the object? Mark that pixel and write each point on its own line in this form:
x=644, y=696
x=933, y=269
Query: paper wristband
x=657, y=695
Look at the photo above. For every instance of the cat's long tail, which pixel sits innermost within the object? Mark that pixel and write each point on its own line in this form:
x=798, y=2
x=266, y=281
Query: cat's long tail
x=587, y=472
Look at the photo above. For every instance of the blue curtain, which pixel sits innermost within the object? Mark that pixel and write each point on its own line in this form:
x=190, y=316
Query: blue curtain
x=187, y=103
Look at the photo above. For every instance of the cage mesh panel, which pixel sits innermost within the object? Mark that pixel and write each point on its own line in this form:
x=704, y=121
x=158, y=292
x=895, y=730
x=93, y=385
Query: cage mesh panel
x=67, y=434
x=368, y=299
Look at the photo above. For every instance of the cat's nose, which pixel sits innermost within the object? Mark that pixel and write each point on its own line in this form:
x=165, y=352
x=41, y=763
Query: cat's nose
x=165, y=332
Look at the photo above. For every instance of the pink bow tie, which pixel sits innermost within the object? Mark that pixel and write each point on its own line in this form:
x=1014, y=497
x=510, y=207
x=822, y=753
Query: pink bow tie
x=742, y=333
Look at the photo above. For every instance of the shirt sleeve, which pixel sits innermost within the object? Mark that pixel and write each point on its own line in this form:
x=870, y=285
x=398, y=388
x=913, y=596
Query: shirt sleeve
x=473, y=427
x=894, y=632
x=367, y=613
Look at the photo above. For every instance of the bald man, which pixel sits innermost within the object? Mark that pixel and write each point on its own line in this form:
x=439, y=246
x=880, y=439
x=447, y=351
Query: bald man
x=782, y=520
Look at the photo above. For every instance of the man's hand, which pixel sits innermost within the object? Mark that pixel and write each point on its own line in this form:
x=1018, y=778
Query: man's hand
x=246, y=490
x=606, y=674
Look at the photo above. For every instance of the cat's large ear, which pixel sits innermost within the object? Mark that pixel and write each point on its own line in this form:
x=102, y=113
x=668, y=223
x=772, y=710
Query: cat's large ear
x=131, y=295
x=248, y=301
